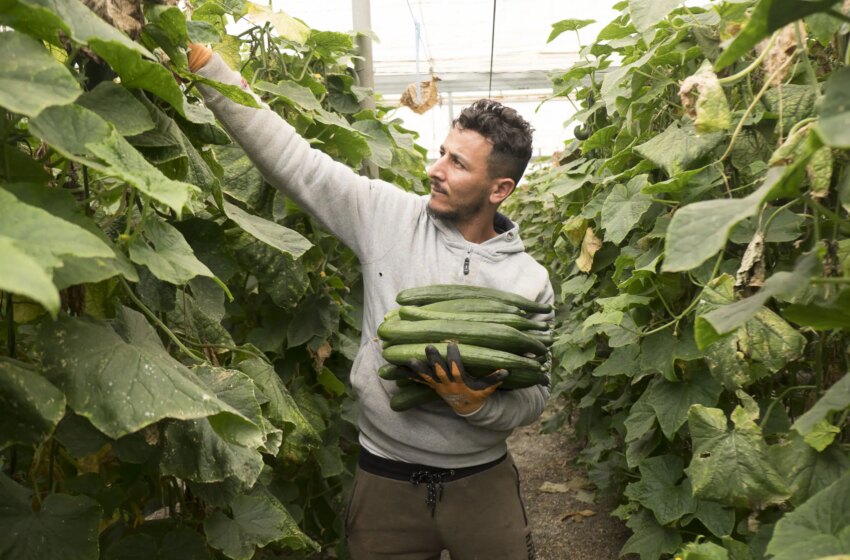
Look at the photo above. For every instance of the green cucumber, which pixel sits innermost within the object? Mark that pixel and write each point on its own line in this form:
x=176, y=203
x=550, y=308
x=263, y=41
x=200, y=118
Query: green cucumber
x=412, y=395
x=474, y=357
x=424, y=295
x=470, y=305
x=392, y=372
x=545, y=337
x=412, y=313
x=493, y=335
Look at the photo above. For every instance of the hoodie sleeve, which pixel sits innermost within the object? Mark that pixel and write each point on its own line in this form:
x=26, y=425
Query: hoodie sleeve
x=347, y=204
x=506, y=410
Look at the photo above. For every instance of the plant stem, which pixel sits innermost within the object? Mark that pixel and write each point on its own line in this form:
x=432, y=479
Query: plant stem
x=807, y=64
x=10, y=325
x=820, y=208
x=819, y=365
x=752, y=106
x=152, y=316
x=781, y=396
x=728, y=80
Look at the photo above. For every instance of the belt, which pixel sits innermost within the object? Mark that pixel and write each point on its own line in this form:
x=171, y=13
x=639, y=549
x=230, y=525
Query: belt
x=432, y=477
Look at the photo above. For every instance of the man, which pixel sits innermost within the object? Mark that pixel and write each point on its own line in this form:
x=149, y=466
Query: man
x=435, y=477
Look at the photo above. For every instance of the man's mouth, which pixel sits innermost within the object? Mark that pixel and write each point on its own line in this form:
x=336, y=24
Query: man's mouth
x=436, y=189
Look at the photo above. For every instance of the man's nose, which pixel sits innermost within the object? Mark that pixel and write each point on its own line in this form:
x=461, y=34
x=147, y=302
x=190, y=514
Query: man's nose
x=435, y=169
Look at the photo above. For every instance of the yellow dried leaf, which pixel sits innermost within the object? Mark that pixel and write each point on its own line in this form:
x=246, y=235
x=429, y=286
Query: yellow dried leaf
x=589, y=246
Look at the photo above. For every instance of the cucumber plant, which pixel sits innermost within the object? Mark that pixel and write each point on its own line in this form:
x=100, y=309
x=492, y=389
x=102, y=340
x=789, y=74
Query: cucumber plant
x=698, y=239
x=176, y=335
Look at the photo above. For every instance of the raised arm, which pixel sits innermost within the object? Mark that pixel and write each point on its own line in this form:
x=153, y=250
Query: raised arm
x=347, y=204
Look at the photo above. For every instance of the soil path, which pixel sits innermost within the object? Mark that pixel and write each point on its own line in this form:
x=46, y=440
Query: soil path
x=569, y=520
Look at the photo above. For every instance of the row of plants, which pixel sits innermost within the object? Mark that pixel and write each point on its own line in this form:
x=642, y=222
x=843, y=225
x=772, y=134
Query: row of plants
x=177, y=335
x=697, y=228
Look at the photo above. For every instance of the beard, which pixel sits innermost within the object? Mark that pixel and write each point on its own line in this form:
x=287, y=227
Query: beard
x=459, y=213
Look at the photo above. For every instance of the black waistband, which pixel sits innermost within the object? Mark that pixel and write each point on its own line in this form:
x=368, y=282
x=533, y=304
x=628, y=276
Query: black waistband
x=399, y=470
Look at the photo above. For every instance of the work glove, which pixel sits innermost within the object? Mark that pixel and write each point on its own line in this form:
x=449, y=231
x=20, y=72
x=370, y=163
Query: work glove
x=464, y=393
x=198, y=56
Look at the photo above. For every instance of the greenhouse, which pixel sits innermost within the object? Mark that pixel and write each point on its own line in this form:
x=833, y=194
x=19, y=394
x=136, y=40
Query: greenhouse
x=425, y=280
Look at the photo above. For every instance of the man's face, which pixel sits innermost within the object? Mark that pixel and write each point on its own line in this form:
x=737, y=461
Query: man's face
x=460, y=182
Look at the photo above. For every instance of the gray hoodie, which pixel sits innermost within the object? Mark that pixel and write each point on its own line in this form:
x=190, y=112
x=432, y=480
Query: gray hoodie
x=400, y=245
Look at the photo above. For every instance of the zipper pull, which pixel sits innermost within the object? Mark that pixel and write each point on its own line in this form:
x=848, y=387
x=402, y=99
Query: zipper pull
x=466, y=266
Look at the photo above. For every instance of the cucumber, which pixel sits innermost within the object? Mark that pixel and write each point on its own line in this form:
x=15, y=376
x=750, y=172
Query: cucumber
x=412, y=395
x=493, y=335
x=470, y=305
x=545, y=337
x=392, y=372
x=412, y=313
x=475, y=358
x=391, y=314
x=424, y=295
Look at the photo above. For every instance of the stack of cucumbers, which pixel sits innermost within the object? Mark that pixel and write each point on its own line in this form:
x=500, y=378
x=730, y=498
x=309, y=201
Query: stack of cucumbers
x=491, y=327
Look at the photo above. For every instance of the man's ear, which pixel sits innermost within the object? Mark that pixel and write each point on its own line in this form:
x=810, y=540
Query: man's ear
x=502, y=189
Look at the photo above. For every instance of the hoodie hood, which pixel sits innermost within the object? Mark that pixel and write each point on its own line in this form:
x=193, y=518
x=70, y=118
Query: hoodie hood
x=506, y=242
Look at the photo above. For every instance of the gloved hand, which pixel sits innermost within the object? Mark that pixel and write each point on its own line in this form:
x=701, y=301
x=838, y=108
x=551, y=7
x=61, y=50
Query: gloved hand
x=198, y=56
x=464, y=393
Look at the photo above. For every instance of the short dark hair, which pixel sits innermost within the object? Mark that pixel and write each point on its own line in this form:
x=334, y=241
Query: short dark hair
x=509, y=133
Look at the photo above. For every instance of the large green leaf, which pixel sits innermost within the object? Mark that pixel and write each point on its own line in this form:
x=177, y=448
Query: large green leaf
x=281, y=238
x=124, y=383
x=679, y=148
x=649, y=539
x=241, y=179
x=33, y=242
x=136, y=72
x=833, y=124
x=568, y=25
x=837, y=398
x=286, y=26
x=806, y=470
x=819, y=527
x=616, y=83
x=764, y=344
x=699, y=230
x=168, y=256
x=81, y=135
x=282, y=410
x=727, y=318
x=295, y=94
x=379, y=141
x=192, y=450
x=659, y=352
x=672, y=401
x=63, y=528
x=623, y=209
x=31, y=79
x=118, y=106
x=23, y=275
x=658, y=491
x=314, y=317
x=33, y=405
x=282, y=277
x=74, y=269
x=45, y=18
x=646, y=13
x=255, y=521
x=767, y=17
x=731, y=466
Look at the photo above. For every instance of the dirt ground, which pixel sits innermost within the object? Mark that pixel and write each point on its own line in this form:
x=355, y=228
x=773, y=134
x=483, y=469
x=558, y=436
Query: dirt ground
x=569, y=520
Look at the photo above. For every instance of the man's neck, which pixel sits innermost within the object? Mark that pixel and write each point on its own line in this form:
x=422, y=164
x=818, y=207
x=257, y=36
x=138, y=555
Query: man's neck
x=478, y=229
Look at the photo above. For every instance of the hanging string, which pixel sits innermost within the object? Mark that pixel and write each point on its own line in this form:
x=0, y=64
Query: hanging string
x=492, y=45
x=418, y=81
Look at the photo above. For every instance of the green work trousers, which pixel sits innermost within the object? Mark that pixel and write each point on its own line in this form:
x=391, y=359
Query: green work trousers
x=480, y=516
